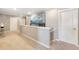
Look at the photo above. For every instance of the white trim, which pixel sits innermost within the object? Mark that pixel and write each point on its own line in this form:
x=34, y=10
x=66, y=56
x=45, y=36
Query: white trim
x=72, y=43
x=66, y=42
x=69, y=43
x=65, y=10
x=35, y=40
x=56, y=40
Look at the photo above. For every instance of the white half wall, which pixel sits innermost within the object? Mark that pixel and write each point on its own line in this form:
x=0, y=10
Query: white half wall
x=40, y=35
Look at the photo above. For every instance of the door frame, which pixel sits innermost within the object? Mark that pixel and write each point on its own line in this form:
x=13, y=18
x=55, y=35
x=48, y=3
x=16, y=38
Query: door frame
x=59, y=23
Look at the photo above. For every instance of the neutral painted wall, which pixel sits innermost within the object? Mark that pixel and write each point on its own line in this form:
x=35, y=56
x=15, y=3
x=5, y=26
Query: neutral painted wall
x=52, y=21
x=22, y=20
x=27, y=20
x=6, y=21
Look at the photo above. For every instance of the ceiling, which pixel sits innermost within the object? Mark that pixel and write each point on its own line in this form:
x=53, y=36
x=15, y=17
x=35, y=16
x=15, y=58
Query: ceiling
x=21, y=11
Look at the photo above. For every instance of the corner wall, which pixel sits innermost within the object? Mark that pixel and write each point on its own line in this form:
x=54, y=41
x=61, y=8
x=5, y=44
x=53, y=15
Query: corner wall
x=6, y=21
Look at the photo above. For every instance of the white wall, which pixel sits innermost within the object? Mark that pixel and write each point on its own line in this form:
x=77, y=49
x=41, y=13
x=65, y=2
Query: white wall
x=52, y=21
x=21, y=21
x=5, y=19
x=14, y=24
x=27, y=20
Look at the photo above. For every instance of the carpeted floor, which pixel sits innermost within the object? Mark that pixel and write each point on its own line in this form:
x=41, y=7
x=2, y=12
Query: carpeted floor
x=15, y=41
x=59, y=45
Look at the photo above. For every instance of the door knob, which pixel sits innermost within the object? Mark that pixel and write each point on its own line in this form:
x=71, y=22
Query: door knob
x=74, y=28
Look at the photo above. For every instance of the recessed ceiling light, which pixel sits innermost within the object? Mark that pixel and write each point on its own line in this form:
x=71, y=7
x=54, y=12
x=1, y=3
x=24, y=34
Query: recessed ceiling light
x=14, y=8
x=29, y=13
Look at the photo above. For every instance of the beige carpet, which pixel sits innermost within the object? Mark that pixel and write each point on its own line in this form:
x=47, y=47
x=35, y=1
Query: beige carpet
x=13, y=41
x=60, y=45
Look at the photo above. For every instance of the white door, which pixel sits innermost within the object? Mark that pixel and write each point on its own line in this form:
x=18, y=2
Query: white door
x=75, y=26
x=13, y=24
x=67, y=31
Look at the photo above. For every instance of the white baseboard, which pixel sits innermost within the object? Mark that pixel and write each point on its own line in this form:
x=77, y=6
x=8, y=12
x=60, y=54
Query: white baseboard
x=56, y=40
x=35, y=40
x=68, y=42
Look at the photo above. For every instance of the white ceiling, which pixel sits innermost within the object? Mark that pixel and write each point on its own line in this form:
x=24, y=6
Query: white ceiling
x=21, y=11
